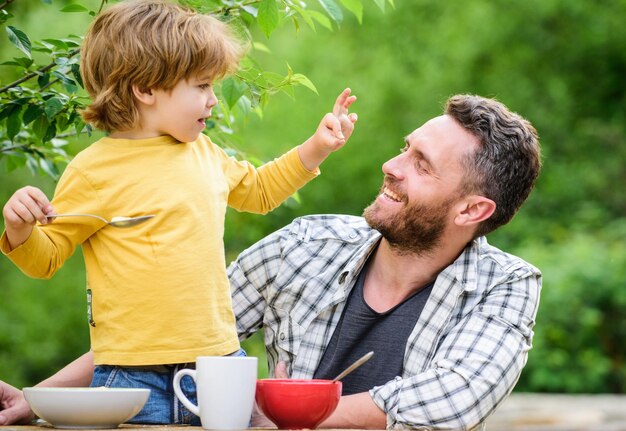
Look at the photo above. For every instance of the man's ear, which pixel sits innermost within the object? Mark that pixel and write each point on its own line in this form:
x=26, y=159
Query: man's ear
x=143, y=95
x=473, y=210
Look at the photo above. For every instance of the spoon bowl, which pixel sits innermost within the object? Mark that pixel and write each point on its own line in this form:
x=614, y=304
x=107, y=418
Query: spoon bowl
x=115, y=221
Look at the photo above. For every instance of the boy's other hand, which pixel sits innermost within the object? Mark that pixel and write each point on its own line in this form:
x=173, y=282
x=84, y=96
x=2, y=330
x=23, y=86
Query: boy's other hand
x=26, y=207
x=331, y=134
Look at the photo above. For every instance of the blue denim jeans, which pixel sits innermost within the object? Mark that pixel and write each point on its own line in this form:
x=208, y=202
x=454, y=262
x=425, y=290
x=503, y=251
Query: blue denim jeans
x=162, y=407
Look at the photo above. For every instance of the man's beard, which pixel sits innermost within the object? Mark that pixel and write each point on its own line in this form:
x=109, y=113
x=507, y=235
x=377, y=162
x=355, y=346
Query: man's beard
x=416, y=229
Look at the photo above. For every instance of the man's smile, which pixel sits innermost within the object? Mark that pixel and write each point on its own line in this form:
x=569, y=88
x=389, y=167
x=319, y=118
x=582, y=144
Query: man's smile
x=391, y=195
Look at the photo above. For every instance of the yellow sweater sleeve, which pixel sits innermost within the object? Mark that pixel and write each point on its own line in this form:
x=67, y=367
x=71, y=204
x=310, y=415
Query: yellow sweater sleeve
x=263, y=189
x=46, y=249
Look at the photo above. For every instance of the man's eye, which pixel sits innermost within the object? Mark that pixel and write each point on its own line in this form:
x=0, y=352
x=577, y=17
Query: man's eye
x=419, y=166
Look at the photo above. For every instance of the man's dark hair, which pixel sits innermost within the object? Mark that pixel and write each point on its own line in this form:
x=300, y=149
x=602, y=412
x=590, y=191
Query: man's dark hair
x=506, y=164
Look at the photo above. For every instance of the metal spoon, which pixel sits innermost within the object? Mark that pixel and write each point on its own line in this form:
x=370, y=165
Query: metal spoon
x=115, y=221
x=356, y=364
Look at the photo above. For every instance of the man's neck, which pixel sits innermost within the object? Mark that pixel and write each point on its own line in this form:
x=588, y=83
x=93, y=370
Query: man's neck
x=393, y=276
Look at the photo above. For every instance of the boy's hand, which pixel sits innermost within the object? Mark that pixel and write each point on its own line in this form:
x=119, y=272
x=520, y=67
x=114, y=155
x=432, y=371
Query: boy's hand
x=26, y=207
x=331, y=134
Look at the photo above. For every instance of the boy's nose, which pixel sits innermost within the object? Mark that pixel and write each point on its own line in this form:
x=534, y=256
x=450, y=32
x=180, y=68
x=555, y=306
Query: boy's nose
x=212, y=100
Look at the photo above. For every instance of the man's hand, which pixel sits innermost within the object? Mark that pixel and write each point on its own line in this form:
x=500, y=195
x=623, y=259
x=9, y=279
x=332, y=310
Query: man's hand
x=280, y=372
x=258, y=418
x=13, y=406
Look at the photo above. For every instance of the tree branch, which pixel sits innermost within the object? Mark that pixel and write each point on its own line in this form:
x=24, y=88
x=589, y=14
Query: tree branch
x=6, y=3
x=39, y=71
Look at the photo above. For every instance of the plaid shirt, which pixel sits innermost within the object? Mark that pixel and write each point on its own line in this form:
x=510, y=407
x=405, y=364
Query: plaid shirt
x=465, y=353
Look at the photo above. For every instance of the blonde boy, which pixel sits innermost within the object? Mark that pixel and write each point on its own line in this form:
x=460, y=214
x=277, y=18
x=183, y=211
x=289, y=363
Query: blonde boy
x=158, y=293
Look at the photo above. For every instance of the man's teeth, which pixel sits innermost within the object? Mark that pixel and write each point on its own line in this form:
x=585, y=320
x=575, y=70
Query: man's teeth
x=391, y=195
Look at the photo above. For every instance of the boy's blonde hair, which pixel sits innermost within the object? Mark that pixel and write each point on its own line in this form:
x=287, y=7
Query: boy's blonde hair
x=152, y=44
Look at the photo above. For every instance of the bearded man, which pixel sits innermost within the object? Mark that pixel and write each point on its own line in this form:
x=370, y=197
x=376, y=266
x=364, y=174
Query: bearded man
x=449, y=317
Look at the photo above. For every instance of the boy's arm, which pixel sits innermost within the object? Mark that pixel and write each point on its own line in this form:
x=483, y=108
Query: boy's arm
x=13, y=406
x=331, y=134
x=263, y=189
x=22, y=211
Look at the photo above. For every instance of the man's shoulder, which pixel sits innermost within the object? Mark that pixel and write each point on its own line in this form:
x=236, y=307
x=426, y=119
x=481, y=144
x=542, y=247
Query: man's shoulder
x=506, y=262
x=331, y=226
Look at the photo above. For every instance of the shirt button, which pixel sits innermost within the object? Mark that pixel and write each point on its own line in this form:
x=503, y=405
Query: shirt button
x=352, y=235
x=282, y=335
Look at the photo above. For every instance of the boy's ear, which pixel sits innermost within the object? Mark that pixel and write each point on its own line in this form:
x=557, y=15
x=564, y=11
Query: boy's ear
x=473, y=210
x=143, y=95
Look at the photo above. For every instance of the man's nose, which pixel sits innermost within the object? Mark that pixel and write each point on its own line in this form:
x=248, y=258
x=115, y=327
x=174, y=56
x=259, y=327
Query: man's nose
x=394, y=166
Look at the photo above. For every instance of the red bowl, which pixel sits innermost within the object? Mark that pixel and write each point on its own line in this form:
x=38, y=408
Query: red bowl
x=297, y=403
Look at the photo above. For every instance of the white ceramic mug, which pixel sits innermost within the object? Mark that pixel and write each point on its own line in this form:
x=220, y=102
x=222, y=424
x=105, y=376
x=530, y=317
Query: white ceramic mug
x=225, y=387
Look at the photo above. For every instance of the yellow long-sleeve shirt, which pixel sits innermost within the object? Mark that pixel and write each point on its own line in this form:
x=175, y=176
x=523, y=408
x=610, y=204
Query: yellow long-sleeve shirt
x=158, y=292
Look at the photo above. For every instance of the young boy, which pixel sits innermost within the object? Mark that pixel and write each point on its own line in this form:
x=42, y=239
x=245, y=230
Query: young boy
x=158, y=292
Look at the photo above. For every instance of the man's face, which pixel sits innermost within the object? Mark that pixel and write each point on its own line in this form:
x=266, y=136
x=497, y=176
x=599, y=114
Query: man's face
x=417, y=201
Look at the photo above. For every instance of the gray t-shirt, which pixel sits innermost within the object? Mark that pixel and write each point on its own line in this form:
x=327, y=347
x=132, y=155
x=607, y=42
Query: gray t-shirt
x=360, y=330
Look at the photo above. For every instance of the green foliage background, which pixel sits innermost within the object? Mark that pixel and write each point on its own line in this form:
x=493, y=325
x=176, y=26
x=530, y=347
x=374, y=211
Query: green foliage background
x=559, y=63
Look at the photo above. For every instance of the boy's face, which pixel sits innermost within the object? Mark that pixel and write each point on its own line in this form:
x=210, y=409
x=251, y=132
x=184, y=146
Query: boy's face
x=182, y=112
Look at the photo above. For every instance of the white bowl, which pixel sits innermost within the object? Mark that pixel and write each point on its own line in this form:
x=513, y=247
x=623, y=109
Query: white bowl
x=79, y=408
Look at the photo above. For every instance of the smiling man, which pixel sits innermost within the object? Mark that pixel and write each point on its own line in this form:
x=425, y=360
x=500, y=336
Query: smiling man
x=448, y=316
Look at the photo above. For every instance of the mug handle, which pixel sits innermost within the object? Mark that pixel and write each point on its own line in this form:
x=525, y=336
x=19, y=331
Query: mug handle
x=179, y=393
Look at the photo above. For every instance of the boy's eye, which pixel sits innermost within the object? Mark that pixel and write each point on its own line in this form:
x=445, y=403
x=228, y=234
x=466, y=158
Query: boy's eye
x=205, y=86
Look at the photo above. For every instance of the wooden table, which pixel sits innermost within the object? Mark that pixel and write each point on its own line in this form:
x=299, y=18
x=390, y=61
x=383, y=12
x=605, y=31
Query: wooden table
x=44, y=426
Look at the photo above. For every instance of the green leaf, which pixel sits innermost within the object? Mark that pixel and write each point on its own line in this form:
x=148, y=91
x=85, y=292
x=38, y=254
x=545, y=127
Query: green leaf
x=20, y=40
x=40, y=126
x=19, y=61
x=8, y=109
x=268, y=17
x=232, y=90
x=250, y=9
x=288, y=90
x=300, y=79
x=31, y=163
x=14, y=162
x=321, y=18
x=333, y=10
x=49, y=168
x=258, y=46
x=381, y=4
x=68, y=82
x=51, y=131
x=14, y=124
x=74, y=8
x=356, y=7
x=245, y=105
x=43, y=79
x=76, y=74
x=52, y=107
x=58, y=43
x=32, y=113
x=4, y=16
x=305, y=15
x=273, y=79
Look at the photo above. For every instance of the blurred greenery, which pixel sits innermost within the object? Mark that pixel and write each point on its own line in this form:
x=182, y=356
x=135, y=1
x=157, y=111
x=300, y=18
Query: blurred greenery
x=559, y=63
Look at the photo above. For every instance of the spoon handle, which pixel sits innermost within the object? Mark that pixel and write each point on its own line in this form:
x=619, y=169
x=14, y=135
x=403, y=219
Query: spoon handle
x=77, y=215
x=356, y=364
